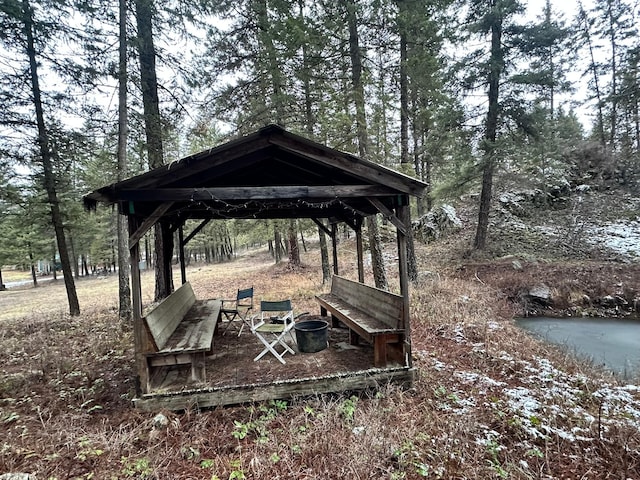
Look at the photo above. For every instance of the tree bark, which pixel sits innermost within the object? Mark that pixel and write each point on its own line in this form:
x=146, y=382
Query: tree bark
x=153, y=128
x=377, y=260
x=277, y=245
x=124, y=290
x=404, y=85
x=34, y=277
x=309, y=122
x=294, y=249
x=593, y=66
x=491, y=127
x=47, y=166
x=613, y=120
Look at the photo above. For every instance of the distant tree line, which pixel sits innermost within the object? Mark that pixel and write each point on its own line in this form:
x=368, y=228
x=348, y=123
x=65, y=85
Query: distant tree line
x=468, y=96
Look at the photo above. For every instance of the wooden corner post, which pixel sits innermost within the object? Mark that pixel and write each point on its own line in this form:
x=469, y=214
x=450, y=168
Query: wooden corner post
x=404, y=214
x=139, y=333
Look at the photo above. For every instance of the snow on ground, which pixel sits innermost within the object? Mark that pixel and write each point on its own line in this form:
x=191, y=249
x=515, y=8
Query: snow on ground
x=622, y=238
x=543, y=401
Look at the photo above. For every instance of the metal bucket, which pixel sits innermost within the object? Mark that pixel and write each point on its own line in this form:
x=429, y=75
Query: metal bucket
x=311, y=335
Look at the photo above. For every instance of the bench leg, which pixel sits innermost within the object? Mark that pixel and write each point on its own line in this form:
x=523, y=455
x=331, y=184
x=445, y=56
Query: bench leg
x=388, y=348
x=380, y=351
x=198, y=373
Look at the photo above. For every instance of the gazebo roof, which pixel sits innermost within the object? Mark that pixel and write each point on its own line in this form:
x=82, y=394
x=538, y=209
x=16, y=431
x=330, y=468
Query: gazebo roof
x=271, y=173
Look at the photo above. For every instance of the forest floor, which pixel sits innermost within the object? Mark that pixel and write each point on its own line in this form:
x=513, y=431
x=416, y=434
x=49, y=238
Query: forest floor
x=489, y=400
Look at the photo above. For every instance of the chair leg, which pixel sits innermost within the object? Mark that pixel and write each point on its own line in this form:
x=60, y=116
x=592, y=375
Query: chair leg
x=245, y=322
x=271, y=347
x=230, y=318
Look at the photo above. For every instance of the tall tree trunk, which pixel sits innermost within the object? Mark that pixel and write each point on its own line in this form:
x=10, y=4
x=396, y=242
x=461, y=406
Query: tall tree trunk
x=277, y=247
x=153, y=128
x=266, y=38
x=34, y=277
x=124, y=290
x=309, y=122
x=404, y=85
x=491, y=127
x=74, y=265
x=593, y=66
x=47, y=167
x=53, y=262
x=377, y=260
x=294, y=249
x=614, y=76
x=412, y=266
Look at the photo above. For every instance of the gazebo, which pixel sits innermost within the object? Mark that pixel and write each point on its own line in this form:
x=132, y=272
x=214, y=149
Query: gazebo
x=270, y=174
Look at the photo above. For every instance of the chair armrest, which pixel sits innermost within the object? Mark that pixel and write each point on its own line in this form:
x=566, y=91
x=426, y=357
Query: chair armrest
x=255, y=324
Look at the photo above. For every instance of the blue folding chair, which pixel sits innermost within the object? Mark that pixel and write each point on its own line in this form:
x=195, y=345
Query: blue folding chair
x=238, y=309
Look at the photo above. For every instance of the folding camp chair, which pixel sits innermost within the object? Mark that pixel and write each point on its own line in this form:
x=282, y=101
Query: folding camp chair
x=238, y=309
x=272, y=325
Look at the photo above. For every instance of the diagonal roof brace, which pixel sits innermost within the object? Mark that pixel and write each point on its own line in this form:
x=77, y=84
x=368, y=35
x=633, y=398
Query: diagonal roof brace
x=149, y=222
x=389, y=215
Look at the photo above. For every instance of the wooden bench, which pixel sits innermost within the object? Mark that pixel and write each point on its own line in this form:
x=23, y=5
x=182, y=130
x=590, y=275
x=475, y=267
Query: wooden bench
x=180, y=331
x=369, y=313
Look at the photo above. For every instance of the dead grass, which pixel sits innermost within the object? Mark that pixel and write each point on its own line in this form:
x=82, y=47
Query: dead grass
x=489, y=401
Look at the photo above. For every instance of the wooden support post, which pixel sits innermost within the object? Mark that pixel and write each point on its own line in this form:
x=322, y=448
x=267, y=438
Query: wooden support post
x=183, y=268
x=360, y=252
x=139, y=334
x=404, y=214
x=334, y=247
x=167, y=245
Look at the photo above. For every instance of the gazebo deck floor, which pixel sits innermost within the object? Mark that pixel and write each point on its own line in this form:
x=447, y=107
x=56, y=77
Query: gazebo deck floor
x=233, y=377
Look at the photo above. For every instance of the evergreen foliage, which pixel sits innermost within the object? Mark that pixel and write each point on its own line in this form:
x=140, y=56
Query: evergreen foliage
x=416, y=99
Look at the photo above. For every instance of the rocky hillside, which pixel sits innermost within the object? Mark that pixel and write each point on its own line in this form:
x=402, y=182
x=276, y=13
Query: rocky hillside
x=572, y=251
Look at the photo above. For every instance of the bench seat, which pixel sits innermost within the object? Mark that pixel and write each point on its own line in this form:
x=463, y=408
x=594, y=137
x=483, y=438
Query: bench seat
x=196, y=330
x=181, y=331
x=371, y=314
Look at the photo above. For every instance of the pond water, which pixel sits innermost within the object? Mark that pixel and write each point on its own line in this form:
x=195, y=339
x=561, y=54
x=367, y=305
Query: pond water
x=612, y=342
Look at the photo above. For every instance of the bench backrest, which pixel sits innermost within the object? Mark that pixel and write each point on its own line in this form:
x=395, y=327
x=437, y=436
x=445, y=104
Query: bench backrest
x=384, y=306
x=165, y=317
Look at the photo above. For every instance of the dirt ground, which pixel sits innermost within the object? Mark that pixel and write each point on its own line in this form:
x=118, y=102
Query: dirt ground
x=488, y=402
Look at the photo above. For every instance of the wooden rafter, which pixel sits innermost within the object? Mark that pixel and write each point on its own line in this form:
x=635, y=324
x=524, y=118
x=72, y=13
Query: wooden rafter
x=149, y=222
x=255, y=193
x=389, y=215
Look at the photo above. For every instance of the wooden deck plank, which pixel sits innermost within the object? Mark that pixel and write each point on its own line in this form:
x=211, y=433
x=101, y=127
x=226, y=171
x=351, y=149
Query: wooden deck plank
x=285, y=389
x=234, y=378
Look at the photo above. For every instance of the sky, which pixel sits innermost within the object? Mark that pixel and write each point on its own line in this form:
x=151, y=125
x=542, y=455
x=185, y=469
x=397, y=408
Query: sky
x=568, y=9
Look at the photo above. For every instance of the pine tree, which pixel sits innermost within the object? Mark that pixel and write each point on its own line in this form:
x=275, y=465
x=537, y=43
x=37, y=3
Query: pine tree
x=124, y=290
x=23, y=28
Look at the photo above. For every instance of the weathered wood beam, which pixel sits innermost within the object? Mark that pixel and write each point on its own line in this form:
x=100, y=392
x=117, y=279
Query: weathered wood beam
x=194, y=164
x=361, y=168
x=239, y=394
x=322, y=226
x=388, y=214
x=334, y=247
x=149, y=222
x=196, y=230
x=142, y=377
x=404, y=214
x=360, y=254
x=183, y=267
x=255, y=193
